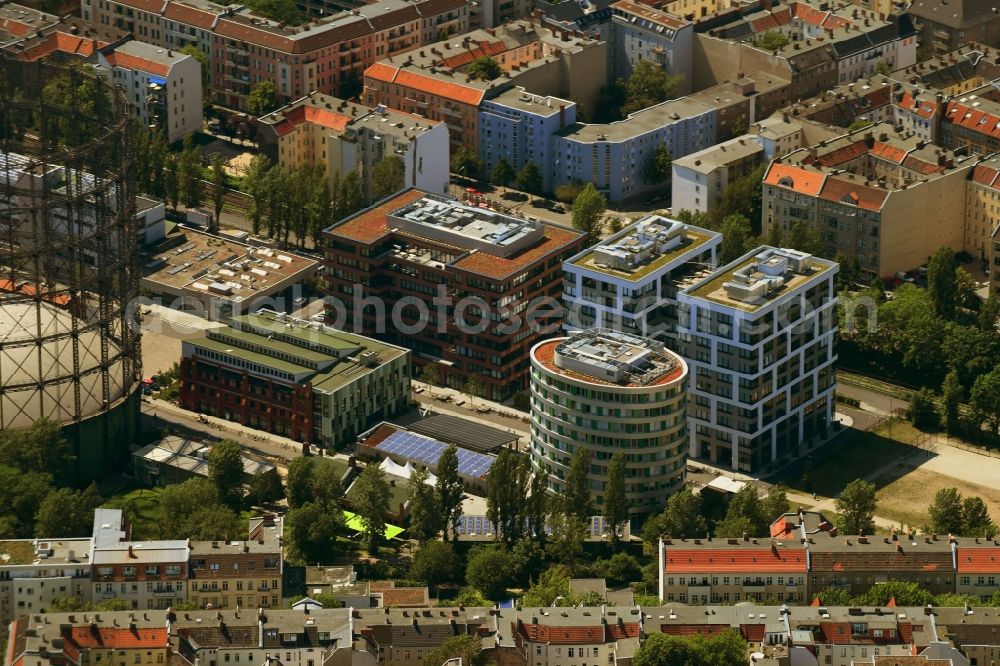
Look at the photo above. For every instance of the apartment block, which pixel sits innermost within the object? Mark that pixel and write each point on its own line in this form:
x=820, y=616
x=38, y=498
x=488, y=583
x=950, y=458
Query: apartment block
x=36, y=572
x=758, y=337
x=994, y=266
x=970, y=123
x=461, y=286
x=740, y=103
x=346, y=137
x=614, y=156
x=520, y=127
x=570, y=636
x=866, y=191
x=954, y=73
x=944, y=26
x=610, y=392
x=143, y=574
x=300, y=379
x=433, y=82
x=239, y=574
x=327, y=54
x=643, y=32
x=700, y=178
x=629, y=282
x=982, y=218
x=163, y=86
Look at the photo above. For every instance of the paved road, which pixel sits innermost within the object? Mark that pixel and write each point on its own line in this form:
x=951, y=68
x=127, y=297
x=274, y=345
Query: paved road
x=871, y=401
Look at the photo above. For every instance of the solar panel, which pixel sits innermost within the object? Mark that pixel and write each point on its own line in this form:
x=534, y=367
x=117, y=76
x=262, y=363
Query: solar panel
x=428, y=451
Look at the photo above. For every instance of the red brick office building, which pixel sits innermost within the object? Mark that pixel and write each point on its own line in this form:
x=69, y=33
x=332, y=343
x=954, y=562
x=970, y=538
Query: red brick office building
x=438, y=263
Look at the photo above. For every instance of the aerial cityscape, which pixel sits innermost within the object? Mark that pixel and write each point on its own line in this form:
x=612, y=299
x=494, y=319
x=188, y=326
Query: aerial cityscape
x=500, y=332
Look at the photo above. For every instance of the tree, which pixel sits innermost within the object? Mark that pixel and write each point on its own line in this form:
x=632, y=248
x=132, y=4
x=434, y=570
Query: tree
x=951, y=397
x=387, y=177
x=537, y=506
x=803, y=237
x=325, y=486
x=473, y=387
x=507, y=490
x=349, y=198
x=171, y=181
x=551, y=588
x=976, y=519
x=577, y=500
x=619, y=569
x=255, y=181
x=666, y=650
x=311, y=530
x=989, y=311
x=298, y=481
x=502, y=173
x=190, y=174
x=744, y=516
x=857, y=506
x=567, y=192
x=430, y=374
x=775, y=504
x=588, y=208
x=280, y=11
x=218, y=191
x=263, y=99
x=42, y=448
x=266, y=487
x=772, y=40
x=371, y=502
x=773, y=235
x=615, y=510
x=659, y=166
x=680, y=519
x=985, y=399
x=450, y=490
x=923, y=410
x=435, y=563
x=425, y=515
x=466, y=163
x=905, y=593
x=941, y=283
x=648, y=84
x=488, y=570
x=202, y=58
x=65, y=513
x=21, y=496
x=464, y=647
x=192, y=510
x=736, y=232
x=225, y=469
x=530, y=179
x=946, y=511
x=485, y=68
x=569, y=530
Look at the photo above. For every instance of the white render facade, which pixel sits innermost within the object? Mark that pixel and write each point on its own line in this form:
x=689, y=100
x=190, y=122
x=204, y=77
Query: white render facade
x=699, y=178
x=610, y=392
x=758, y=335
x=629, y=281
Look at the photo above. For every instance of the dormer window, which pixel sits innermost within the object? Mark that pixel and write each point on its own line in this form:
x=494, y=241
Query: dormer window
x=786, y=181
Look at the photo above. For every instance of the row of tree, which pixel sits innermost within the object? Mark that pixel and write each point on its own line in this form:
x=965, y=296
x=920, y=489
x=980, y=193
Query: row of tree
x=905, y=593
x=690, y=515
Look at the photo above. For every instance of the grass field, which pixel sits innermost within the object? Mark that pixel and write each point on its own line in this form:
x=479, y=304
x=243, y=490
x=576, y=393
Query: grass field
x=906, y=499
x=143, y=505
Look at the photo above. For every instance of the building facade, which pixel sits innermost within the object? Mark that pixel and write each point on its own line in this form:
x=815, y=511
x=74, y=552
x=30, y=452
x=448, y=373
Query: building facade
x=347, y=137
x=758, y=336
x=643, y=32
x=629, y=281
x=460, y=286
x=610, y=392
x=239, y=574
x=699, y=178
x=298, y=379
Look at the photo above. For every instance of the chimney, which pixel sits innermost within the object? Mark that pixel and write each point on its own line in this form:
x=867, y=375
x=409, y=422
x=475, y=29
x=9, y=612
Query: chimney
x=562, y=116
x=869, y=139
x=131, y=554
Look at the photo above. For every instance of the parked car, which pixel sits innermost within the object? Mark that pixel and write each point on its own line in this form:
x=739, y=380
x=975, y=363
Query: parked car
x=964, y=257
x=903, y=277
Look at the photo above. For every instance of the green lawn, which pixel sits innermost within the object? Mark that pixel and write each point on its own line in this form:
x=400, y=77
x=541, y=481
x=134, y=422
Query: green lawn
x=143, y=506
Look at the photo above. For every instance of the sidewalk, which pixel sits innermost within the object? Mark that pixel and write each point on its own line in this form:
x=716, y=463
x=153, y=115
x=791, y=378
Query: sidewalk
x=451, y=401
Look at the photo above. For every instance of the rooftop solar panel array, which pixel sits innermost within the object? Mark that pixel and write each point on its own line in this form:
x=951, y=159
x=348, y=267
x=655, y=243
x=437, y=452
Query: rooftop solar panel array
x=426, y=450
x=481, y=525
x=462, y=432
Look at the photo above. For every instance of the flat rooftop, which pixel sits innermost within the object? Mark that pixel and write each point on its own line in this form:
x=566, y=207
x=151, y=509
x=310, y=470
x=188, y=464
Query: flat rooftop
x=193, y=263
x=344, y=117
x=639, y=123
x=759, y=277
x=722, y=154
x=684, y=244
x=522, y=100
x=463, y=224
x=603, y=356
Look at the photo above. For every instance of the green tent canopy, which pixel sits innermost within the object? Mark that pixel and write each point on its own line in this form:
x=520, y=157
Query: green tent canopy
x=354, y=522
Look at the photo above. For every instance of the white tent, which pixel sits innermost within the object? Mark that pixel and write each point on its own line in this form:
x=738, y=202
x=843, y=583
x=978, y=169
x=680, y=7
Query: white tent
x=404, y=471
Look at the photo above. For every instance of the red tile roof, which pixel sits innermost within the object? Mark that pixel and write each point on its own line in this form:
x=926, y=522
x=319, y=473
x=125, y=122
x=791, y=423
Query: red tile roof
x=924, y=109
x=482, y=49
x=749, y=560
x=882, y=561
x=117, y=639
x=129, y=61
x=888, y=152
x=15, y=28
x=914, y=163
x=430, y=85
x=905, y=632
x=617, y=631
x=753, y=633
x=556, y=239
x=63, y=42
x=837, y=633
x=191, y=15
x=694, y=629
x=843, y=154
x=857, y=194
x=973, y=119
x=979, y=560
x=540, y=633
x=781, y=527
x=801, y=180
x=984, y=175
x=809, y=14
x=371, y=224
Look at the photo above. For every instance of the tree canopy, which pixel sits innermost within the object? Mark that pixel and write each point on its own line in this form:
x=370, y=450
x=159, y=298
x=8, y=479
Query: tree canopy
x=857, y=506
x=484, y=68
x=588, y=209
x=387, y=177
x=263, y=98
x=647, y=85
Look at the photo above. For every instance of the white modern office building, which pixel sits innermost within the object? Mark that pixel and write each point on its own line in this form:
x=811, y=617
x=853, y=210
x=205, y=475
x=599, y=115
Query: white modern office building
x=610, y=392
x=629, y=282
x=758, y=336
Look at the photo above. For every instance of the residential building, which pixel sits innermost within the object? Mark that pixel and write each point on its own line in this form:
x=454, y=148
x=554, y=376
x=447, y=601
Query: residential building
x=433, y=81
x=239, y=574
x=444, y=270
x=982, y=217
x=643, y=32
x=758, y=337
x=36, y=572
x=493, y=13
x=345, y=137
x=865, y=192
x=403, y=638
x=595, y=18
x=629, y=281
x=867, y=100
x=175, y=459
x=28, y=35
x=969, y=123
x=740, y=103
x=778, y=135
x=152, y=217
x=143, y=574
x=163, y=86
x=220, y=277
x=954, y=73
x=945, y=26
x=327, y=54
x=520, y=127
x=296, y=378
x=571, y=636
x=610, y=392
x=700, y=178
x=615, y=156
x=994, y=265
